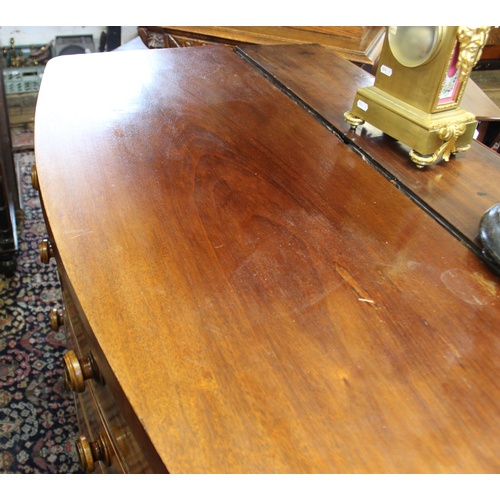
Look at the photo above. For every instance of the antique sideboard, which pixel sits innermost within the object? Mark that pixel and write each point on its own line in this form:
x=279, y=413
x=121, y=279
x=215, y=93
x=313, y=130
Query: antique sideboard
x=359, y=44
x=251, y=287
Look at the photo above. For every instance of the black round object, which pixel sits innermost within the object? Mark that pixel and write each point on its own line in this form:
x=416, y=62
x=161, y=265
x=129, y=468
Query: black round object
x=489, y=233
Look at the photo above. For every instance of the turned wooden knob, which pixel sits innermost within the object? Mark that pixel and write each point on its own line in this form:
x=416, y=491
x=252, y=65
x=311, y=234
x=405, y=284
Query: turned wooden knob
x=34, y=178
x=46, y=251
x=77, y=371
x=56, y=318
x=90, y=452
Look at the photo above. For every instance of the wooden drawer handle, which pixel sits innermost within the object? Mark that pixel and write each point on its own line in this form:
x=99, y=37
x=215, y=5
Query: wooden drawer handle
x=90, y=452
x=46, y=251
x=77, y=371
x=34, y=178
x=56, y=319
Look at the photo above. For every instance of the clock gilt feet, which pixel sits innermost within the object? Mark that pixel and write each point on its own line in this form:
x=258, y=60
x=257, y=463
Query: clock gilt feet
x=422, y=161
x=353, y=120
x=449, y=136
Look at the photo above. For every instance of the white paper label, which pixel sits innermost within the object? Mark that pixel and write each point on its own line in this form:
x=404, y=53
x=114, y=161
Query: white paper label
x=362, y=105
x=386, y=70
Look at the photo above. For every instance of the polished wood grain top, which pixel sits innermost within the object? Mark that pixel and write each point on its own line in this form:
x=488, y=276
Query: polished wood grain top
x=456, y=193
x=267, y=301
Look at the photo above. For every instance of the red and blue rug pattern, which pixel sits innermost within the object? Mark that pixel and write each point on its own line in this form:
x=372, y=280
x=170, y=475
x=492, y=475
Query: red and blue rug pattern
x=38, y=423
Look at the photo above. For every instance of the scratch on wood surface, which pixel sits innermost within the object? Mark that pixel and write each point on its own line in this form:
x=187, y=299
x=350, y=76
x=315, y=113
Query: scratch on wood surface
x=76, y=233
x=353, y=284
x=366, y=300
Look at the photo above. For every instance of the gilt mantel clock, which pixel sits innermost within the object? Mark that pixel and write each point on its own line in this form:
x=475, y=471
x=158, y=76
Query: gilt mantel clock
x=420, y=80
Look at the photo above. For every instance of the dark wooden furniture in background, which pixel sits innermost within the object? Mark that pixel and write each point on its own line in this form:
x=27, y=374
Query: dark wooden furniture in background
x=486, y=111
x=243, y=291
x=360, y=44
x=9, y=199
x=487, y=76
x=490, y=57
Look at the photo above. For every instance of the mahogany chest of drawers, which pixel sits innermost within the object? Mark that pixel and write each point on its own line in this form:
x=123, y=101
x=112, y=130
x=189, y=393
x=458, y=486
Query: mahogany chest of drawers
x=243, y=291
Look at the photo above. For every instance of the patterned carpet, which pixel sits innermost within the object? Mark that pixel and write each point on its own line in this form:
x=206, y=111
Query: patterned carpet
x=37, y=416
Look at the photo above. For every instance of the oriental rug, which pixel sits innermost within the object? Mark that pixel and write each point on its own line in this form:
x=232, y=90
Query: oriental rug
x=38, y=423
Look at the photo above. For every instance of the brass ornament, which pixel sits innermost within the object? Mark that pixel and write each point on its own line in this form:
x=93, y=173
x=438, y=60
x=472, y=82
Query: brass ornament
x=472, y=42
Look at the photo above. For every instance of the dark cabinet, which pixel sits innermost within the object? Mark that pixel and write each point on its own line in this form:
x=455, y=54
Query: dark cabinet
x=8, y=192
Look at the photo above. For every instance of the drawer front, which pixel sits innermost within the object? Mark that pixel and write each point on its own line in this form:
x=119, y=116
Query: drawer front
x=84, y=428
x=97, y=437
x=99, y=418
x=89, y=361
x=126, y=445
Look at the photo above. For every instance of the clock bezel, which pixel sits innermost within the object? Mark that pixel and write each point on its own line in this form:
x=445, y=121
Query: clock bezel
x=407, y=62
